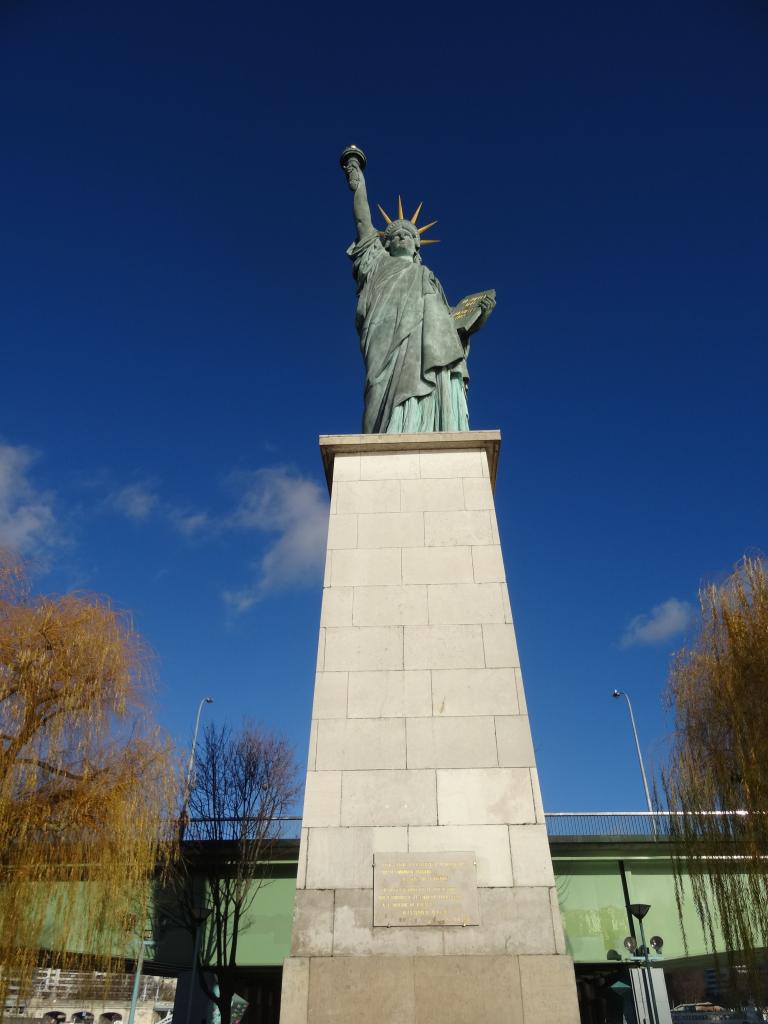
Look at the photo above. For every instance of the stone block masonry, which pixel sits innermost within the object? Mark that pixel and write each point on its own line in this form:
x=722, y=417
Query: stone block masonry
x=420, y=745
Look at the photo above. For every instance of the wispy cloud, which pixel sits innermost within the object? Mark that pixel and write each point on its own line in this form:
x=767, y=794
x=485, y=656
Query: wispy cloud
x=190, y=523
x=27, y=521
x=289, y=509
x=136, y=501
x=142, y=503
x=280, y=502
x=662, y=622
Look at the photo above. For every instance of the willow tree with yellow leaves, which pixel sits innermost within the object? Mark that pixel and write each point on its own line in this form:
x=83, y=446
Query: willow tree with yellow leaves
x=718, y=690
x=84, y=781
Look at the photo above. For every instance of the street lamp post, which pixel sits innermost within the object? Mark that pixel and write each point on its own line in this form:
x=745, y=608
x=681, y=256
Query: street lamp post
x=621, y=693
x=145, y=941
x=191, y=768
x=199, y=917
x=639, y=910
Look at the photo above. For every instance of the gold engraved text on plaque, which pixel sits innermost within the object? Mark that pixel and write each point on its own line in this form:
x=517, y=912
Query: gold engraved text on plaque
x=425, y=889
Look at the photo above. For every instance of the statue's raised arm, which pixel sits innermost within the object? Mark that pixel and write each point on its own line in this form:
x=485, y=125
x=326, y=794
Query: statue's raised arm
x=353, y=162
x=414, y=345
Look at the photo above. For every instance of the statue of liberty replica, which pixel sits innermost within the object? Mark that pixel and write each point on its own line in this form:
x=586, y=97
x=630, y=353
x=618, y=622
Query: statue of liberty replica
x=407, y=909
x=414, y=344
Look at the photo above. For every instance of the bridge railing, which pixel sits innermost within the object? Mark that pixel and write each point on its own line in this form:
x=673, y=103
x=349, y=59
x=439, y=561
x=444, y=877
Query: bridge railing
x=624, y=824
x=199, y=830
x=562, y=824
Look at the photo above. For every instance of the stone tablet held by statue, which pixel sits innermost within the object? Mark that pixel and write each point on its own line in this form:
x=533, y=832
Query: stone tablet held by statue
x=414, y=345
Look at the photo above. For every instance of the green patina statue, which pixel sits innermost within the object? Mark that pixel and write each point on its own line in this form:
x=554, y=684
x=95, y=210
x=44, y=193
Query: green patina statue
x=414, y=344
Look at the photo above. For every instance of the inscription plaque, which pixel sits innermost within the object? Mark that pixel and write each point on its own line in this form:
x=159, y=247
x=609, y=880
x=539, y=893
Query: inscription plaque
x=425, y=888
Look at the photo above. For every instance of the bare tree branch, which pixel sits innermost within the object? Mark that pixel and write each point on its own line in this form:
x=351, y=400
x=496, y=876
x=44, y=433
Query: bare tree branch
x=243, y=784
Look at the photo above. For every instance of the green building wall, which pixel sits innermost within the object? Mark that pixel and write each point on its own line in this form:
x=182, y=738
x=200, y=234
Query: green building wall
x=592, y=904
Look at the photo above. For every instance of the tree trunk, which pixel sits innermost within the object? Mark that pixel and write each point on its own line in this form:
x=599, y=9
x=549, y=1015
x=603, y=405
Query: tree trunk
x=224, y=1002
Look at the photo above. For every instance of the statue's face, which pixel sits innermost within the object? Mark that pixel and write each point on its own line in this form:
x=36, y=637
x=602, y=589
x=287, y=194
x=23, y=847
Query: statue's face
x=401, y=241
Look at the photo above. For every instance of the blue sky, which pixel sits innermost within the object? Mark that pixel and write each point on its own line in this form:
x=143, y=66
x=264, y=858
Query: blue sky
x=176, y=323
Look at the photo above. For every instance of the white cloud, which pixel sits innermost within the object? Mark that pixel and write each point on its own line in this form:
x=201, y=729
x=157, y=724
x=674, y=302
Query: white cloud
x=27, y=521
x=142, y=503
x=273, y=501
x=278, y=501
x=136, y=501
x=189, y=523
x=662, y=622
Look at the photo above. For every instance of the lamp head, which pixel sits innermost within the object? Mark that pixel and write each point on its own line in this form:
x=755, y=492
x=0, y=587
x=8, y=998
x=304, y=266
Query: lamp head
x=209, y=700
x=639, y=910
x=616, y=693
x=657, y=942
x=630, y=943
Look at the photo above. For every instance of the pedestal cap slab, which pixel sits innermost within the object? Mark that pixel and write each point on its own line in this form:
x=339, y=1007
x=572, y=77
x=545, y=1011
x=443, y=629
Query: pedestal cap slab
x=332, y=445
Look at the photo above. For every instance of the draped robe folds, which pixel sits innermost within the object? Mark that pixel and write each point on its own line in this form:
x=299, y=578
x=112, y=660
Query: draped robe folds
x=415, y=361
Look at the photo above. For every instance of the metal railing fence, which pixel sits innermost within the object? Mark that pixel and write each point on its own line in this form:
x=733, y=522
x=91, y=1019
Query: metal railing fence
x=564, y=824
x=624, y=824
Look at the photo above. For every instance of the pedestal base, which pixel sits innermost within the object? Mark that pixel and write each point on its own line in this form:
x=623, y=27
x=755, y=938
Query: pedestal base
x=429, y=990
x=420, y=746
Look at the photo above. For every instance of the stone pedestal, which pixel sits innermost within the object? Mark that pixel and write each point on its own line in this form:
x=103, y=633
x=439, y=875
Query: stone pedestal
x=420, y=744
